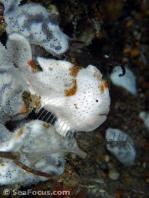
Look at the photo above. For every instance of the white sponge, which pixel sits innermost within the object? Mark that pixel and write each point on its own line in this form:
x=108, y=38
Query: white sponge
x=128, y=81
x=36, y=24
x=121, y=146
x=12, y=86
x=145, y=117
x=33, y=153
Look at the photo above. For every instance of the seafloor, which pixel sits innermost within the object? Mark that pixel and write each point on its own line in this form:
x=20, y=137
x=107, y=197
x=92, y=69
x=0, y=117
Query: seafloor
x=119, y=29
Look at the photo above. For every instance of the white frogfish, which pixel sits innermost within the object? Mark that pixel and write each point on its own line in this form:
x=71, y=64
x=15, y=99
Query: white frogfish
x=78, y=97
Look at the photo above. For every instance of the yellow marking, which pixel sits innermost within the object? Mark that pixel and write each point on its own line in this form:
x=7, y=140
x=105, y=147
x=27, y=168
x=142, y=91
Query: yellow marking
x=46, y=125
x=20, y=132
x=74, y=70
x=97, y=75
x=23, y=110
x=71, y=91
x=103, y=86
x=60, y=180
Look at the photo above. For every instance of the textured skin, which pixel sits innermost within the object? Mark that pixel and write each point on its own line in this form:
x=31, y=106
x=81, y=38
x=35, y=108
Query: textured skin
x=80, y=100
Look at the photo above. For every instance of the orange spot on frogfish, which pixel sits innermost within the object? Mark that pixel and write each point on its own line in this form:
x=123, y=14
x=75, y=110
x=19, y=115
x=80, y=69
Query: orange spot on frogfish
x=104, y=85
x=74, y=70
x=71, y=91
x=32, y=64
